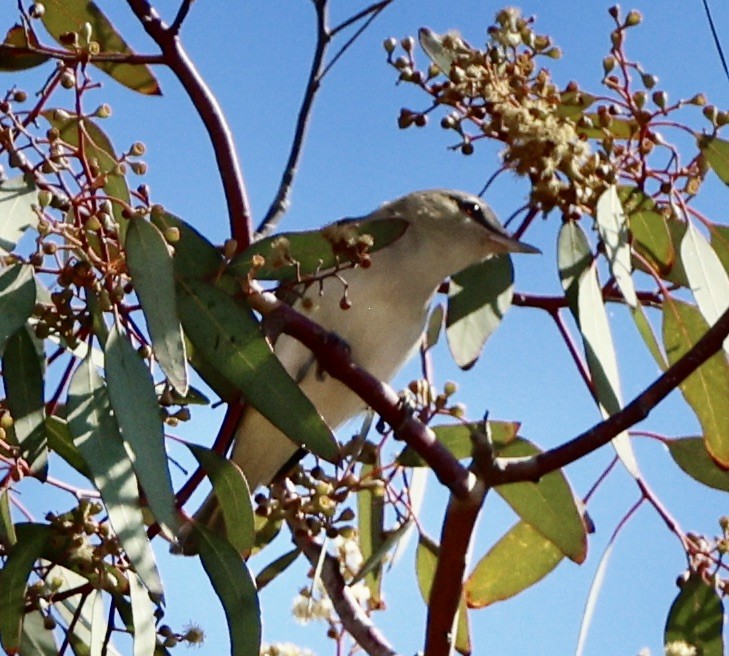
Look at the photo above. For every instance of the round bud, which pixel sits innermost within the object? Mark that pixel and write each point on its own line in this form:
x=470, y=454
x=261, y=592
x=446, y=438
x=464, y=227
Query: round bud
x=467, y=148
x=172, y=234
x=450, y=388
x=614, y=11
x=639, y=98
x=710, y=112
x=554, y=53
x=37, y=10
x=608, y=64
x=44, y=200
x=140, y=168
x=699, y=99
x=408, y=43
x=389, y=45
x=20, y=96
x=660, y=98
x=633, y=18
x=103, y=111
x=649, y=80
x=138, y=149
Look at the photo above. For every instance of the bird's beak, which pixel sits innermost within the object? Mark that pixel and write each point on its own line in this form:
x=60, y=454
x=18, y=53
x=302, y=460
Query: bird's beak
x=506, y=244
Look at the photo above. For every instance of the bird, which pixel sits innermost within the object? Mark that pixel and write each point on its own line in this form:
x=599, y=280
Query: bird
x=389, y=301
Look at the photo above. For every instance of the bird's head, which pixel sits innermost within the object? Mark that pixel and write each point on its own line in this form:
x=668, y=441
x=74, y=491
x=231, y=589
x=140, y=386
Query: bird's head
x=452, y=218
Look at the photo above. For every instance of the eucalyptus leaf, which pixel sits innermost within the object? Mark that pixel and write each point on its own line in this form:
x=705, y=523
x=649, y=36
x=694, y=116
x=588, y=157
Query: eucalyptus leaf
x=716, y=152
x=17, y=197
x=689, y=453
x=145, y=631
x=276, y=567
x=371, y=528
x=17, y=299
x=20, y=61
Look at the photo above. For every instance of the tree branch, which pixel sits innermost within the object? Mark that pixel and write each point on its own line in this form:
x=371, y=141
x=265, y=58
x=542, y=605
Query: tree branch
x=212, y=116
x=351, y=614
x=532, y=469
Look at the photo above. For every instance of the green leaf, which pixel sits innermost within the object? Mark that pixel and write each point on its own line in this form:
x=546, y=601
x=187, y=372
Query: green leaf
x=99, y=149
x=293, y=254
x=17, y=197
x=651, y=238
x=391, y=538
x=426, y=562
x=547, y=506
x=36, y=639
x=696, y=618
x=63, y=16
x=267, y=529
x=96, y=435
x=230, y=339
x=649, y=337
x=20, y=61
x=720, y=243
x=689, y=453
x=150, y=265
x=14, y=575
x=716, y=151
x=145, y=632
x=233, y=494
x=434, y=327
x=61, y=442
x=7, y=528
x=677, y=230
x=613, y=228
x=276, y=567
x=371, y=528
x=234, y=585
x=708, y=280
x=478, y=298
x=521, y=558
x=23, y=378
x=457, y=438
x=134, y=401
x=707, y=389
x=17, y=299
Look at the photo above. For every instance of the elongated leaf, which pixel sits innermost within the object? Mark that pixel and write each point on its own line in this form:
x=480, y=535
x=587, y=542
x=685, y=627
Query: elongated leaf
x=707, y=277
x=716, y=151
x=23, y=378
x=98, y=149
x=371, y=529
x=233, y=495
x=434, y=327
x=547, y=506
x=613, y=228
x=478, y=298
x=689, y=453
x=150, y=264
x=14, y=575
x=17, y=196
x=134, y=401
x=521, y=558
x=707, y=389
x=579, y=280
x=17, y=298
x=291, y=254
x=697, y=618
x=234, y=585
x=19, y=61
x=267, y=528
x=145, y=633
x=36, y=639
x=62, y=16
x=457, y=438
x=96, y=435
x=7, y=528
x=677, y=230
x=273, y=569
x=391, y=538
x=720, y=243
x=651, y=238
x=426, y=561
x=649, y=337
x=228, y=336
x=61, y=442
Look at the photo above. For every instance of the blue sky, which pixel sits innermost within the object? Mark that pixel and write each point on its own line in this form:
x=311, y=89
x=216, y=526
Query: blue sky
x=255, y=56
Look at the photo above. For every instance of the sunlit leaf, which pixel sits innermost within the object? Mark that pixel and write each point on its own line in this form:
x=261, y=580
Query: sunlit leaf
x=547, y=506
x=716, y=151
x=20, y=61
x=390, y=539
x=708, y=280
x=312, y=251
x=697, y=618
x=521, y=558
x=478, y=298
x=23, y=379
x=36, y=639
x=651, y=238
x=572, y=104
x=690, y=454
x=234, y=497
x=432, y=43
x=235, y=587
x=267, y=528
x=276, y=567
x=613, y=228
x=145, y=632
x=426, y=561
x=707, y=389
x=371, y=525
x=14, y=575
x=7, y=528
x=229, y=338
x=63, y=16
x=17, y=299
x=96, y=435
x=131, y=391
x=17, y=196
x=457, y=438
x=150, y=264
x=61, y=442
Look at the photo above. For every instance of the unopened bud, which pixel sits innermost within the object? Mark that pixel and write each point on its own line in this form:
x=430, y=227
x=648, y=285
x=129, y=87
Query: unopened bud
x=389, y=45
x=660, y=98
x=633, y=18
x=608, y=64
x=649, y=80
x=103, y=111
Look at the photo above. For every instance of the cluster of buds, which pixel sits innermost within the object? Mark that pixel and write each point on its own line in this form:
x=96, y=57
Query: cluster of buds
x=704, y=554
x=423, y=397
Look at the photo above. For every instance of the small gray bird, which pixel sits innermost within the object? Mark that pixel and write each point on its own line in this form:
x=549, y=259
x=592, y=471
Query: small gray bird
x=448, y=231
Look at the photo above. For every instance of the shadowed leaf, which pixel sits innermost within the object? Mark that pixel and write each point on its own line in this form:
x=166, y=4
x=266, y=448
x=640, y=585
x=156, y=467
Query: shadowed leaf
x=17, y=299
x=689, y=453
x=273, y=569
x=17, y=196
x=19, y=61
x=716, y=151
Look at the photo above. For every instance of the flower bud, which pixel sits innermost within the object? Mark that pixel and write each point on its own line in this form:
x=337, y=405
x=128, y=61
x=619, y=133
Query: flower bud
x=660, y=98
x=649, y=80
x=608, y=64
x=103, y=111
x=390, y=44
x=699, y=100
x=633, y=18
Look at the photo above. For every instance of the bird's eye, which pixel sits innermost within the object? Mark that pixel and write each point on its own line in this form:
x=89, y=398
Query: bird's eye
x=472, y=209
